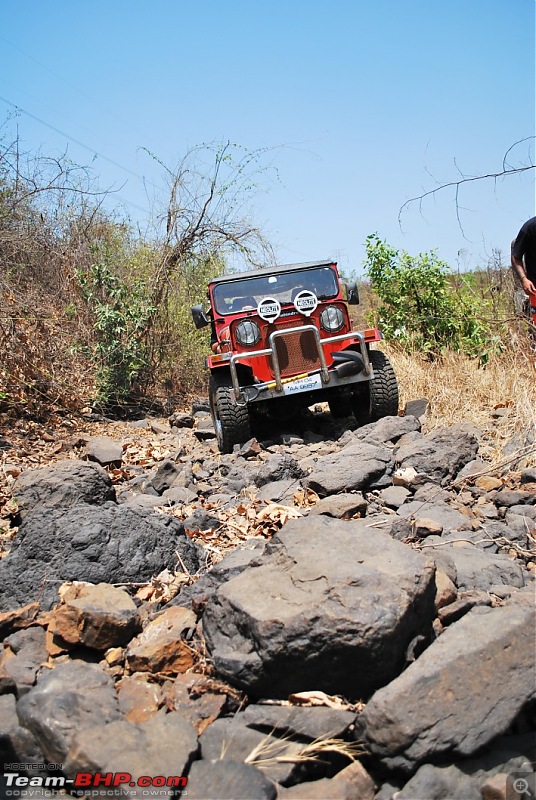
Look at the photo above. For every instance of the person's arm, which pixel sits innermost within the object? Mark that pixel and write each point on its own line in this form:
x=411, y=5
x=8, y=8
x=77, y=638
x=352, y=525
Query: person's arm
x=526, y=284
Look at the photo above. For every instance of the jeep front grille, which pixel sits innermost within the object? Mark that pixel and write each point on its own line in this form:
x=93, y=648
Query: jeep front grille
x=297, y=352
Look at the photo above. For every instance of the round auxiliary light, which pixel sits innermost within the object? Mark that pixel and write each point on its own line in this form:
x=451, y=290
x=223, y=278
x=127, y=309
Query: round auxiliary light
x=332, y=319
x=247, y=333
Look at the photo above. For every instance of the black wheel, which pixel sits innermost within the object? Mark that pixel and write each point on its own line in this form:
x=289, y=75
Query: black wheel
x=231, y=420
x=381, y=397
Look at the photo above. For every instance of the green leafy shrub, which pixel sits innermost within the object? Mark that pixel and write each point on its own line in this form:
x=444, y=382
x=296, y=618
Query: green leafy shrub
x=423, y=307
x=121, y=313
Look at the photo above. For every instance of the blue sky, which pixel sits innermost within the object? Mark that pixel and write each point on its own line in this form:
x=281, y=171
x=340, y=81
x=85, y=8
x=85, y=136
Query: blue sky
x=366, y=103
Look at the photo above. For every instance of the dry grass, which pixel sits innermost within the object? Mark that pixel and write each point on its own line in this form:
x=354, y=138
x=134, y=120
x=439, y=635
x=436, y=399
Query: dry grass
x=459, y=389
x=268, y=753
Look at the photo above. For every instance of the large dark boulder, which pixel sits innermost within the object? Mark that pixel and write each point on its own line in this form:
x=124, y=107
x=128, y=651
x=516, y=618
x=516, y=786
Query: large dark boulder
x=357, y=466
x=462, y=692
x=331, y=606
x=441, y=454
x=97, y=544
x=62, y=485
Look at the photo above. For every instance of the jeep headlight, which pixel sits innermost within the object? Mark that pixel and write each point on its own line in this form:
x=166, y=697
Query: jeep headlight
x=332, y=319
x=247, y=333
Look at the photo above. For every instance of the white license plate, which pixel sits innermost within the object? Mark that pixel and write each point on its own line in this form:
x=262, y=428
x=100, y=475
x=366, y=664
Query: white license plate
x=303, y=385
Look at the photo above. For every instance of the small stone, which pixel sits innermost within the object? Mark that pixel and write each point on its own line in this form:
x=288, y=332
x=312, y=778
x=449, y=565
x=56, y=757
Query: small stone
x=417, y=408
x=161, y=647
x=394, y=496
x=138, y=699
x=159, y=427
x=250, y=448
x=114, y=656
x=488, y=483
x=341, y=506
x=495, y=788
x=99, y=617
x=407, y=477
x=446, y=591
x=104, y=450
x=424, y=526
x=18, y=618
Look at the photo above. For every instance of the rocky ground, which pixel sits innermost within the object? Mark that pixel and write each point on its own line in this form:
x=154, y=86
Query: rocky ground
x=339, y=612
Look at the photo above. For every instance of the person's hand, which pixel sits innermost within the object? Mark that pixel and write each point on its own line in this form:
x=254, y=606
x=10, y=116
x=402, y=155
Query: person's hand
x=528, y=286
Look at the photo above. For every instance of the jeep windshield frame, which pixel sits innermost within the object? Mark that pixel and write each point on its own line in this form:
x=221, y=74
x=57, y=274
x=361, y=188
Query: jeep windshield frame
x=245, y=293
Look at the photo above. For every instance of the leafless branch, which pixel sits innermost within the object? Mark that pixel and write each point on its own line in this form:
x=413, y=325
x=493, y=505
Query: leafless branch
x=457, y=185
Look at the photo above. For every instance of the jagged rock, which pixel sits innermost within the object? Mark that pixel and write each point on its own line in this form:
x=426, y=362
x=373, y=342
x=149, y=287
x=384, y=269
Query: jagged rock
x=417, y=408
x=277, y=468
x=329, y=607
x=228, y=780
x=62, y=485
x=201, y=520
x=447, y=701
x=65, y=700
x=193, y=696
x=446, y=591
x=166, y=475
x=278, y=491
x=439, y=455
x=507, y=497
x=99, y=617
x=17, y=744
x=162, y=745
x=178, y=495
x=356, y=466
x=388, y=429
x=231, y=565
x=528, y=475
x=104, y=544
x=160, y=428
x=181, y=420
x=104, y=451
x=464, y=603
x=162, y=647
x=17, y=618
x=204, y=430
x=21, y=661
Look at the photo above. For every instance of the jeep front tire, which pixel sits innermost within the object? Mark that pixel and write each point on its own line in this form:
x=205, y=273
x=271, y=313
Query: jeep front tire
x=230, y=420
x=381, y=398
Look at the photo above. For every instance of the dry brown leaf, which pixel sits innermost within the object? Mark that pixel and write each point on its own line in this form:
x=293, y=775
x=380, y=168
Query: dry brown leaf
x=304, y=498
x=318, y=698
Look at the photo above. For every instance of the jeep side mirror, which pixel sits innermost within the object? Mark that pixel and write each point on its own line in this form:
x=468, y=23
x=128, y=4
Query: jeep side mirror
x=199, y=317
x=352, y=294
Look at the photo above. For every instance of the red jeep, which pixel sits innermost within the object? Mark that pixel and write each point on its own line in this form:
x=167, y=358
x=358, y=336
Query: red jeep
x=282, y=340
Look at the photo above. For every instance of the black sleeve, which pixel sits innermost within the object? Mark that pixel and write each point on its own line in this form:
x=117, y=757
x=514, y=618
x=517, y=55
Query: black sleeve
x=525, y=240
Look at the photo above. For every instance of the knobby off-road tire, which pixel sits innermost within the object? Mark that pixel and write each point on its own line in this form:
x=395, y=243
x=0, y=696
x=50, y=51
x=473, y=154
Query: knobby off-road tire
x=231, y=421
x=381, y=399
